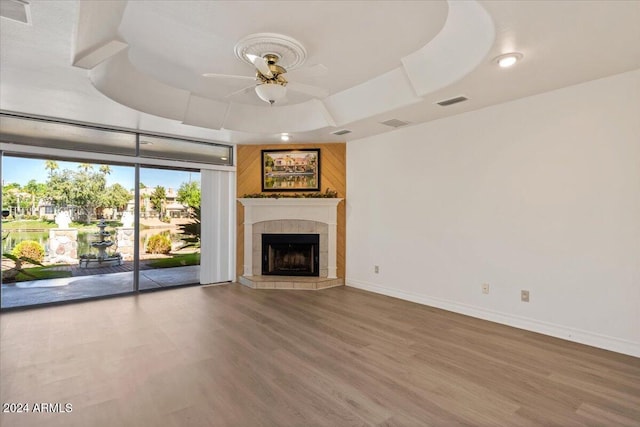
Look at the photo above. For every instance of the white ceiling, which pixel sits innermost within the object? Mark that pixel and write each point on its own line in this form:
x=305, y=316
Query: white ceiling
x=384, y=60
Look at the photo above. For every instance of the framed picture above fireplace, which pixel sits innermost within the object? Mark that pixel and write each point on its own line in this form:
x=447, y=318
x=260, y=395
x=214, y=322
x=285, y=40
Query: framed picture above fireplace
x=291, y=170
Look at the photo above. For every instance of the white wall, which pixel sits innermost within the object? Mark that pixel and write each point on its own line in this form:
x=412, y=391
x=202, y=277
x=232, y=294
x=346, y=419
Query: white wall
x=541, y=194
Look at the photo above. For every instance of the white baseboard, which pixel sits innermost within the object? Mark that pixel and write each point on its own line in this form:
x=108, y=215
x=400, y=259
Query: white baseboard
x=559, y=331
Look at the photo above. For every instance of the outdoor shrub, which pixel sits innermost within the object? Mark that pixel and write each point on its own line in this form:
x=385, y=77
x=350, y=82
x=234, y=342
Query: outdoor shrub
x=29, y=249
x=159, y=244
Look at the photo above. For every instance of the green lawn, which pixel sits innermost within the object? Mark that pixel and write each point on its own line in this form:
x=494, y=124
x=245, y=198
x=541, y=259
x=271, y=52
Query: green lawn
x=180, y=260
x=41, y=273
x=176, y=261
x=27, y=224
x=35, y=224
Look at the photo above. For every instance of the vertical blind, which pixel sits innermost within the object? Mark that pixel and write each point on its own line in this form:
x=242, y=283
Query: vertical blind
x=217, y=258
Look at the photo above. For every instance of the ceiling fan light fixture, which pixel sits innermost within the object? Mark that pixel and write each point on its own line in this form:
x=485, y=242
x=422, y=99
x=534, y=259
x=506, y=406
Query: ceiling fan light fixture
x=508, y=59
x=271, y=92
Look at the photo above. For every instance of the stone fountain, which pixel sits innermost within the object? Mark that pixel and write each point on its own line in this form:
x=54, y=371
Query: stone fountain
x=102, y=244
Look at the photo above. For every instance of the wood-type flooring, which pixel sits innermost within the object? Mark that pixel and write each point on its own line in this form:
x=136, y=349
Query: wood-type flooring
x=233, y=356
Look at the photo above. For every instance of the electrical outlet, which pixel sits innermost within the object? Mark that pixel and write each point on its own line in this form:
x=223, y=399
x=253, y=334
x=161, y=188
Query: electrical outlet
x=485, y=288
x=524, y=296
x=376, y=269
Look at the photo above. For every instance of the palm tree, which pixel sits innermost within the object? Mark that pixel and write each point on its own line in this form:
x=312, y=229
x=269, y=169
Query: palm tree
x=51, y=166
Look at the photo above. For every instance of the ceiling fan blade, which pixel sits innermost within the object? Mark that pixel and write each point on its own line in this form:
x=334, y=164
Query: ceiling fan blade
x=315, y=91
x=238, y=92
x=317, y=70
x=261, y=64
x=227, y=76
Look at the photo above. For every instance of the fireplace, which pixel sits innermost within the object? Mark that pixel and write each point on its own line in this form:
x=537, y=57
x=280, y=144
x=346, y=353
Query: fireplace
x=290, y=216
x=291, y=254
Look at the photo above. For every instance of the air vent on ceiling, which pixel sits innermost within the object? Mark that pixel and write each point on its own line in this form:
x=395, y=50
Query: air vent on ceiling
x=341, y=132
x=16, y=10
x=394, y=123
x=452, y=101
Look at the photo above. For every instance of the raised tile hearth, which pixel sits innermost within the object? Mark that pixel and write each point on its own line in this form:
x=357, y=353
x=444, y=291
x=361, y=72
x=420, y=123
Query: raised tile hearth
x=290, y=282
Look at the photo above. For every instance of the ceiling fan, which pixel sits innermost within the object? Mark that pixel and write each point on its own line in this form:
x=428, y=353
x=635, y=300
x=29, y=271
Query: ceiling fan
x=271, y=85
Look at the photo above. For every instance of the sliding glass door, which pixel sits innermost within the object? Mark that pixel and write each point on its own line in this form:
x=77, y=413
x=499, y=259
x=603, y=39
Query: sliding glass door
x=90, y=212
x=169, y=223
x=61, y=230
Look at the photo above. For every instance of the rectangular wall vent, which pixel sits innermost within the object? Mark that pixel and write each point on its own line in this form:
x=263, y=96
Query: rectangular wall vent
x=341, y=132
x=16, y=10
x=394, y=123
x=452, y=101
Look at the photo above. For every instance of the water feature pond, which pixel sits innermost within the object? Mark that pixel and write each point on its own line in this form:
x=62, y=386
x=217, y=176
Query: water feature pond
x=85, y=237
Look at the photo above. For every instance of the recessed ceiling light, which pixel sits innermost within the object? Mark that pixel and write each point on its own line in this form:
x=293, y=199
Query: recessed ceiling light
x=508, y=59
x=285, y=137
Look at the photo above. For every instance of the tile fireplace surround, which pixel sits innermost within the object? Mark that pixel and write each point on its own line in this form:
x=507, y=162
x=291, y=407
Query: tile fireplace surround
x=292, y=216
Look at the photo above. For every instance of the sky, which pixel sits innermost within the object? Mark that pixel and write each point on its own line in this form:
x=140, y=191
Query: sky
x=21, y=170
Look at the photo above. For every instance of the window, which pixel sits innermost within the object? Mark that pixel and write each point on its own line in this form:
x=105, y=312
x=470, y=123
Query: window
x=79, y=224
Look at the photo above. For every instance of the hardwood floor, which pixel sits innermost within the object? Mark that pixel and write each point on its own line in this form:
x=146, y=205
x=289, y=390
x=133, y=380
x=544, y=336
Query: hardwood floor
x=233, y=356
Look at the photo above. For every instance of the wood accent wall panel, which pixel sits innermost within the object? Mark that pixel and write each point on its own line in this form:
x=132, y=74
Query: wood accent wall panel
x=333, y=175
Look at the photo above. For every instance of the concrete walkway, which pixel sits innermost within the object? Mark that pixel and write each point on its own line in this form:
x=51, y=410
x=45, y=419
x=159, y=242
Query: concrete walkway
x=88, y=286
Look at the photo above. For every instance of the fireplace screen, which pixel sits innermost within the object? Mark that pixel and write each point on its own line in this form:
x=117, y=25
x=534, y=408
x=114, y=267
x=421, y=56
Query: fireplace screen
x=290, y=254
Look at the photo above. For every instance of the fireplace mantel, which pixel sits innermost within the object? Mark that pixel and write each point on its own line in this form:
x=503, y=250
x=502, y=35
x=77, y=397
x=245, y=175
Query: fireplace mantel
x=324, y=210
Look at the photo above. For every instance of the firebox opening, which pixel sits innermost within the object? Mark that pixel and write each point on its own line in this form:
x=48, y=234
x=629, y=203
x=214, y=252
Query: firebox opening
x=291, y=254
